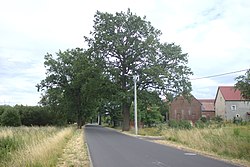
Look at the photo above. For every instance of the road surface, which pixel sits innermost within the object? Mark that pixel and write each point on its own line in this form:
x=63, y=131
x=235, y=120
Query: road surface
x=109, y=148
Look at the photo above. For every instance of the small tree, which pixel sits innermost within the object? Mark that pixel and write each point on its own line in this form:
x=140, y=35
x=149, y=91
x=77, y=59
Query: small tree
x=10, y=117
x=153, y=116
x=243, y=84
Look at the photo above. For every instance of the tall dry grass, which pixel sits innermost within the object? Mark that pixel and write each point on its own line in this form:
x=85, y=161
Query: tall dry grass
x=34, y=146
x=233, y=142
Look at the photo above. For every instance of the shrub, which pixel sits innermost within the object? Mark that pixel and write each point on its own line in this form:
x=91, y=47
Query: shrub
x=218, y=118
x=182, y=124
x=200, y=124
x=10, y=117
x=237, y=120
x=203, y=119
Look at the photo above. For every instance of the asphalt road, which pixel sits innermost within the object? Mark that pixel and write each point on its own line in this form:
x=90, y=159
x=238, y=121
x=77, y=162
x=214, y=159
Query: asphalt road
x=109, y=148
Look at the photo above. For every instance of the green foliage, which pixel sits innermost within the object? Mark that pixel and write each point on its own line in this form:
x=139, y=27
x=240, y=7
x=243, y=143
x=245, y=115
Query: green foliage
x=111, y=112
x=243, y=84
x=153, y=116
x=201, y=124
x=203, y=119
x=73, y=82
x=149, y=109
x=7, y=144
x=10, y=117
x=36, y=115
x=182, y=124
x=237, y=120
x=217, y=118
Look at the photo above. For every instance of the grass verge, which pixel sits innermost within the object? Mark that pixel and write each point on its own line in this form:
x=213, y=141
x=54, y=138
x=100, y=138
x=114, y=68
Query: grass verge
x=75, y=153
x=230, y=142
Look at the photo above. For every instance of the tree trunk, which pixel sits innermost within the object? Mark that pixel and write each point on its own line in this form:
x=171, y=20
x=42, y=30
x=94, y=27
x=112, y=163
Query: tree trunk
x=79, y=113
x=99, y=119
x=79, y=122
x=126, y=116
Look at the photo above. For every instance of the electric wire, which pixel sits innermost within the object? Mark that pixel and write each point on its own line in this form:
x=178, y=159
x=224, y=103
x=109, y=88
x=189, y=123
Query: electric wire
x=218, y=75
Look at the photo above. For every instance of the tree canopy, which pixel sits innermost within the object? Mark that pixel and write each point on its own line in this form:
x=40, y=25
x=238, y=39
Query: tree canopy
x=72, y=84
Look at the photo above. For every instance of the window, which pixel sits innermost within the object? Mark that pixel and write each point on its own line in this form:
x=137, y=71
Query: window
x=233, y=107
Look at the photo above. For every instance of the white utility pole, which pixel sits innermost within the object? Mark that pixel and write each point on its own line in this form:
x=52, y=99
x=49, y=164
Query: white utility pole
x=135, y=103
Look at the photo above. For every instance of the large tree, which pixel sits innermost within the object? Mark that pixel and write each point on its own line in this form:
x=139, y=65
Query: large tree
x=73, y=79
x=130, y=45
x=243, y=84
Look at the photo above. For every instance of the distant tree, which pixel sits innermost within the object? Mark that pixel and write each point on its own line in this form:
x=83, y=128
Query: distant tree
x=130, y=45
x=243, y=84
x=10, y=117
x=36, y=115
x=3, y=108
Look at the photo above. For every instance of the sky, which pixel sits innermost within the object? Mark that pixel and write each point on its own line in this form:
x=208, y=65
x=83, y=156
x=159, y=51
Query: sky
x=214, y=33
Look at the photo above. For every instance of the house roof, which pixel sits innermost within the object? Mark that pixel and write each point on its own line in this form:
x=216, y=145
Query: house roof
x=230, y=93
x=184, y=98
x=207, y=104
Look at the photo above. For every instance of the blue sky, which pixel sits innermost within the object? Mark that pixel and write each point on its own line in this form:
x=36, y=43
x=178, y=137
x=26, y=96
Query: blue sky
x=214, y=33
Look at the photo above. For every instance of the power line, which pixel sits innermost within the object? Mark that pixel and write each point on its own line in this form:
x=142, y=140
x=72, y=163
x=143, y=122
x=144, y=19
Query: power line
x=217, y=75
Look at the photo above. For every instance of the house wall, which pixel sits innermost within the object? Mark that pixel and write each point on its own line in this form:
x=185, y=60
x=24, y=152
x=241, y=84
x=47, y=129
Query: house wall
x=241, y=108
x=208, y=114
x=182, y=109
x=220, y=105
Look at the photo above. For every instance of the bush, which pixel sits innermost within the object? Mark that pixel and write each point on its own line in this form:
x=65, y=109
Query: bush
x=237, y=120
x=203, y=119
x=182, y=124
x=217, y=119
x=10, y=117
x=200, y=124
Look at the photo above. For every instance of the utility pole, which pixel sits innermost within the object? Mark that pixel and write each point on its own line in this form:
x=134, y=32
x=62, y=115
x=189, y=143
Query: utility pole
x=135, y=103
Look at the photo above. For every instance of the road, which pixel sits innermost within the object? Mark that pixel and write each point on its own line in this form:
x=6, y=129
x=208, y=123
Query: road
x=109, y=148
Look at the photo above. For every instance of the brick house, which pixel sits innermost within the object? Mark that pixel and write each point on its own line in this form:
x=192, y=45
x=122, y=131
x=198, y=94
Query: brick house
x=229, y=104
x=183, y=109
x=207, y=108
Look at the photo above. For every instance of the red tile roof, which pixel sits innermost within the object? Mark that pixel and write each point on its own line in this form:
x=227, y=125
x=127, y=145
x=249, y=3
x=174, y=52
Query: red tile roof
x=207, y=104
x=230, y=93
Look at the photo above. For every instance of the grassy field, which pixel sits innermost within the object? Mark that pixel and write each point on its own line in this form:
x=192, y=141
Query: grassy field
x=229, y=141
x=42, y=146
